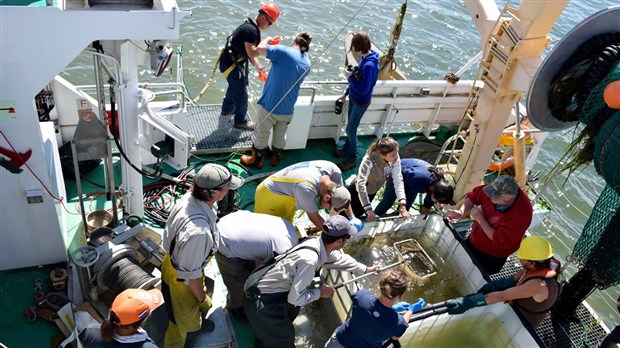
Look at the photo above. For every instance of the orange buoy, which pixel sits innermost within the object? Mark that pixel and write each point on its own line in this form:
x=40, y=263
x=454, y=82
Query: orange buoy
x=611, y=95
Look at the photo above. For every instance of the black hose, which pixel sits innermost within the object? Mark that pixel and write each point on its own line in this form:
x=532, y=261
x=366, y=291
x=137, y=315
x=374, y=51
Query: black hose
x=159, y=171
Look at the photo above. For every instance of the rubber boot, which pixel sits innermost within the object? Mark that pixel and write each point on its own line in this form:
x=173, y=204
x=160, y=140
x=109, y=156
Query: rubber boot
x=256, y=160
x=276, y=156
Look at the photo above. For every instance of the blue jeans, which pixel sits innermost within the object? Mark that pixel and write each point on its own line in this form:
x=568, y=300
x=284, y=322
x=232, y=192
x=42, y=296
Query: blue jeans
x=389, y=197
x=236, y=98
x=356, y=112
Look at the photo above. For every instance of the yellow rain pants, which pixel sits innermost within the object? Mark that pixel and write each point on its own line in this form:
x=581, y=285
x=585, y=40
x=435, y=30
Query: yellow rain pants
x=185, y=307
x=267, y=202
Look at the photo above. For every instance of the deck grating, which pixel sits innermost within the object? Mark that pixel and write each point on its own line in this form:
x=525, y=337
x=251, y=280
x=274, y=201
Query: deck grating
x=552, y=333
x=214, y=133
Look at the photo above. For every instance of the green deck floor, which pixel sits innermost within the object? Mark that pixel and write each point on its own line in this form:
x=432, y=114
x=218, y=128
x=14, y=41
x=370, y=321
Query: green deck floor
x=17, y=286
x=17, y=294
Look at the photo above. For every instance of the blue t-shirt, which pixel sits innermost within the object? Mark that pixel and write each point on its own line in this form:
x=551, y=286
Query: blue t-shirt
x=371, y=323
x=289, y=68
x=417, y=178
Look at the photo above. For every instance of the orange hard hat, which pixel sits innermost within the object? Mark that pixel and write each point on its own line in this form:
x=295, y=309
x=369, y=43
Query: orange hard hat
x=270, y=9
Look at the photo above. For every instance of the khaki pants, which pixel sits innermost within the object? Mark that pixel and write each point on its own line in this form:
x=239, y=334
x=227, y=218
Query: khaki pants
x=279, y=123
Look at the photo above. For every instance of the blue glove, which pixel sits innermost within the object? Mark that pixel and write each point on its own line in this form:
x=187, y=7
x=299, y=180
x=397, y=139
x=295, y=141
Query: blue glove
x=401, y=306
x=357, y=223
x=416, y=307
x=498, y=285
x=463, y=304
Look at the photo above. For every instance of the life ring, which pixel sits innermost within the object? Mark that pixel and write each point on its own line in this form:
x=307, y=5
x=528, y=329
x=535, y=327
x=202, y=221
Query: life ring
x=507, y=140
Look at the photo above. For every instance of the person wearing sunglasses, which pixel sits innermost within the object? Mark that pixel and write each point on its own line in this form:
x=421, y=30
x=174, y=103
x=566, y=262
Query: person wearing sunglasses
x=189, y=244
x=242, y=47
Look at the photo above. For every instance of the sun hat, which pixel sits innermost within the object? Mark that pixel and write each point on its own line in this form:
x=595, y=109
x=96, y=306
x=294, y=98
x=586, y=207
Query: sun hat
x=215, y=176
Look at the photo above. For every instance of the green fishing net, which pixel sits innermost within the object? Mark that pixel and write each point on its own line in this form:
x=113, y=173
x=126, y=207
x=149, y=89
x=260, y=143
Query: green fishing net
x=599, y=243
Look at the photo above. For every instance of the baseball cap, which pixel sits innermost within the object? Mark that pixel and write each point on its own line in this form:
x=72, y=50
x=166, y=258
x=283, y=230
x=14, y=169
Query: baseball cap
x=341, y=197
x=502, y=185
x=216, y=176
x=338, y=226
x=133, y=305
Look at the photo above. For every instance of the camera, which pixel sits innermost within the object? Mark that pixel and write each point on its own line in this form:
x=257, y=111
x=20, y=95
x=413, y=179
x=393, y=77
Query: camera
x=357, y=74
x=338, y=106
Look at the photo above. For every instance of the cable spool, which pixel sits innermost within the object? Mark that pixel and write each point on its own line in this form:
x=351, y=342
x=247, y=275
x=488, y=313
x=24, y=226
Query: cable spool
x=127, y=274
x=118, y=270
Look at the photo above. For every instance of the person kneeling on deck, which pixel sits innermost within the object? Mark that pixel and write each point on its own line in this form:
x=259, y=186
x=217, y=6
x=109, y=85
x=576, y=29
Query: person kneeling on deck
x=502, y=212
x=129, y=311
x=289, y=68
x=297, y=186
x=247, y=240
x=189, y=243
x=531, y=291
x=373, y=320
x=277, y=290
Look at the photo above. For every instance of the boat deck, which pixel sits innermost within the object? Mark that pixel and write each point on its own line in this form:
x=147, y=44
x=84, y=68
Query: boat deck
x=18, y=285
x=214, y=133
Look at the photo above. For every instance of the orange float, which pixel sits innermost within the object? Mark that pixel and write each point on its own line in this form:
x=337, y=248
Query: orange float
x=611, y=95
x=507, y=140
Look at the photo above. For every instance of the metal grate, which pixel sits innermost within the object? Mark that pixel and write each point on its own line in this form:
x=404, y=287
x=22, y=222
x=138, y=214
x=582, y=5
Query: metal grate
x=552, y=333
x=214, y=133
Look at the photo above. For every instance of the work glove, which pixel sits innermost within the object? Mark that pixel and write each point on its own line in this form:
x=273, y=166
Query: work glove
x=275, y=40
x=401, y=306
x=463, y=304
x=205, y=305
x=418, y=306
x=497, y=285
x=357, y=223
x=262, y=75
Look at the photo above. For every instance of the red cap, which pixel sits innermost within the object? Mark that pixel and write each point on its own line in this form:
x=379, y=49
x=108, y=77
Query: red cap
x=133, y=305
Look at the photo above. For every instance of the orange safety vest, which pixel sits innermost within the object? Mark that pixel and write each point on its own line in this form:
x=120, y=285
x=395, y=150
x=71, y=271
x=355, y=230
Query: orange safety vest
x=543, y=273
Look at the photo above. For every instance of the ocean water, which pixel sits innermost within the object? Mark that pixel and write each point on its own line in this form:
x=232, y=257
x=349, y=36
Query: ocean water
x=438, y=37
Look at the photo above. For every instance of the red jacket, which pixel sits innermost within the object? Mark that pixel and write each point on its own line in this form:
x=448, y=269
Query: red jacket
x=510, y=225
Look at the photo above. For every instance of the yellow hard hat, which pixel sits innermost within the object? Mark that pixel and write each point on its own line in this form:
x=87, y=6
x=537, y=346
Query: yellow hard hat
x=534, y=248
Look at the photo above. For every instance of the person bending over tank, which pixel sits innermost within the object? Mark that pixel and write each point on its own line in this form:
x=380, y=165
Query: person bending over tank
x=246, y=240
x=296, y=188
x=276, y=291
x=419, y=177
x=502, y=212
x=380, y=162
